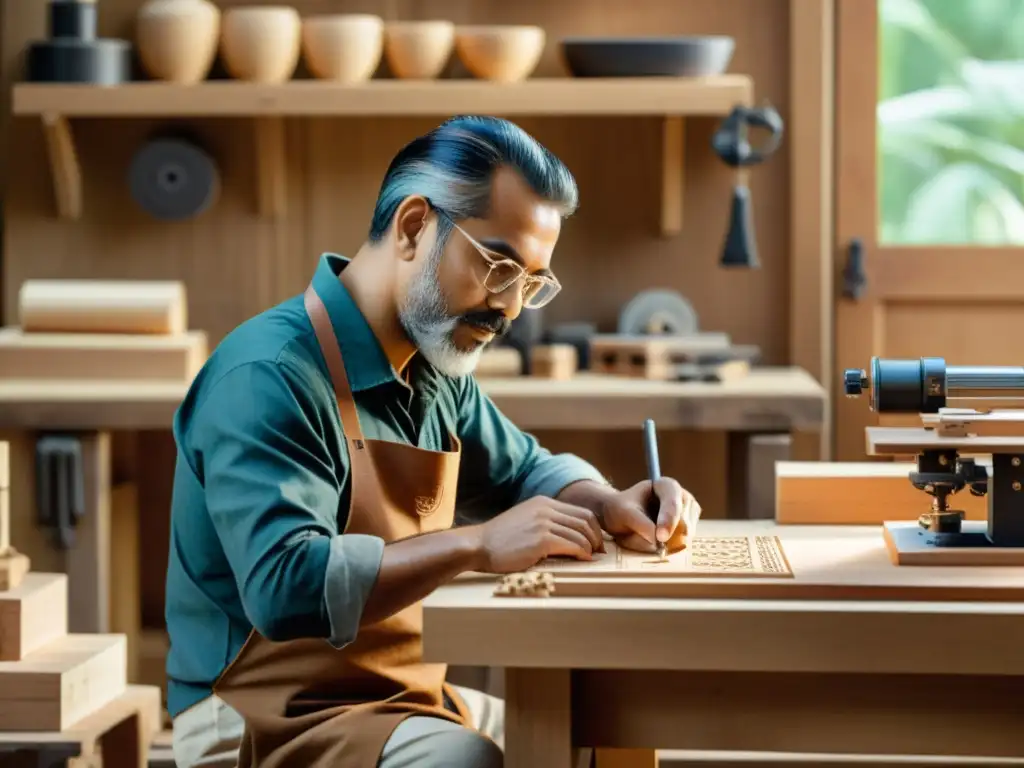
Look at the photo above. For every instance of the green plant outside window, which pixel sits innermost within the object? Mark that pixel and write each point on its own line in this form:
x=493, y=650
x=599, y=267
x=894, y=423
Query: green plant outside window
x=951, y=122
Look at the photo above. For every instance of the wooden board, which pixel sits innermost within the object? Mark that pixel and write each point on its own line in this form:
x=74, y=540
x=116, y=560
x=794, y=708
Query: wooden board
x=5, y=520
x=856, y=493
x=766, y=399
x=137, y=357
x=103, y=306
x=909, y=544
x=826, y=562
x=715, y=95
x=33, y=615
x=731, y=556
x=62, y=682
x=901, y=441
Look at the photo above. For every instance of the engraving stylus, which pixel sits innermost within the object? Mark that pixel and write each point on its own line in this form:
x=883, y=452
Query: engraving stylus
x=654, y=472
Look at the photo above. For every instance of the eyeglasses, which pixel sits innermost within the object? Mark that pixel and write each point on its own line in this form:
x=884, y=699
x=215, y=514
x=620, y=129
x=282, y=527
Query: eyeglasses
x=502, y=272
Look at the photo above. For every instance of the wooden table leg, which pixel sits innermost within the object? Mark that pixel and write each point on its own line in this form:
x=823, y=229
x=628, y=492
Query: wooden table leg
x=125, y=602
x=88, y=561
x=538, y=719
x=737, y=451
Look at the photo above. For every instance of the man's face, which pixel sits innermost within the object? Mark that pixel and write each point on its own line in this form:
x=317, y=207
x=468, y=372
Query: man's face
x=448, y=312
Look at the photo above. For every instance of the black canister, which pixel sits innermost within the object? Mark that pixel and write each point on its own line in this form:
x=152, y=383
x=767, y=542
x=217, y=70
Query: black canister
x=71, y=19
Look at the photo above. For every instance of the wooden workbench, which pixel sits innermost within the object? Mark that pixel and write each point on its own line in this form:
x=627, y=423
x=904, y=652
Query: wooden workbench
x=857, y=678
x=769, y=399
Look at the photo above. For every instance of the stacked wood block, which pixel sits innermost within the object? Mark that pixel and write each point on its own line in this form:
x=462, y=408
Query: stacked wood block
x=13, y=564
x=51, y=681
x=497, y=362
x=89, y=330
x=710, y=357
x=554, y=361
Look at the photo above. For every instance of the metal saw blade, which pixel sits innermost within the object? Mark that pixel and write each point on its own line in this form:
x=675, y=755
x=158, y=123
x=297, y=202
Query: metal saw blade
x=658, y=311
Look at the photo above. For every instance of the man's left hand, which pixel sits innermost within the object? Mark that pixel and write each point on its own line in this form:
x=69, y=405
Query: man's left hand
x=624, y=516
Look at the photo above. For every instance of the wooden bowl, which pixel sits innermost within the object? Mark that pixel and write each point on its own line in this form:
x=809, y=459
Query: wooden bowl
x=177, y=39
x=504, y=54
x=418, y=50
x=261, y=43
x=344, y=47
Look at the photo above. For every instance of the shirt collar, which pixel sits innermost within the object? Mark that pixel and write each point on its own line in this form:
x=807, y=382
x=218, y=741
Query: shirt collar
x=365, y=362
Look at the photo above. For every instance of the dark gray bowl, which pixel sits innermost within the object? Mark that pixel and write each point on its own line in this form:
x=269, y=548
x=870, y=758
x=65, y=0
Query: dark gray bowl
x=648, y=56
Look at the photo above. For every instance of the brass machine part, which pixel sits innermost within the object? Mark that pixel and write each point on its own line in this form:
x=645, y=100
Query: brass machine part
x=942, y=474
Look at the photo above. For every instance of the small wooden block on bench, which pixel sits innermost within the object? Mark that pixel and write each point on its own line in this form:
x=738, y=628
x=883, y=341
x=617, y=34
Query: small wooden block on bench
x=31, y=615
x=856, y=493
x=57, y=685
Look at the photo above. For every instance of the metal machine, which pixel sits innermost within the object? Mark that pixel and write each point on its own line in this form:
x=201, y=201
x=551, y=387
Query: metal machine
x=939, y=393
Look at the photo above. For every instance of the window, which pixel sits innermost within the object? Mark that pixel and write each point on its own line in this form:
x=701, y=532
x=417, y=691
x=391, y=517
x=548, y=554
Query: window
x=951, y=122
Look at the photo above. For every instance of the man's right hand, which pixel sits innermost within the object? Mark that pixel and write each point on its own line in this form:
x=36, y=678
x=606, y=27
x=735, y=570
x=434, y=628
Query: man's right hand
x=538, y=528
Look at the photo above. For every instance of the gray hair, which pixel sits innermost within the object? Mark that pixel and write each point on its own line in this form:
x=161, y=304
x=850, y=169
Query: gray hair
x=453, y=166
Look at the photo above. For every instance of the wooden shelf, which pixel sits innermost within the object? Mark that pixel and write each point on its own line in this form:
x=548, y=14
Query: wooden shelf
x=311, y=98
x=673, y=99
x=768, y=398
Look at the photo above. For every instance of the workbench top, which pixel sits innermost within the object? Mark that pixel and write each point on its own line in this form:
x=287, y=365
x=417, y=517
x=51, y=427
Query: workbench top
x=466, y=625
x=768, y=398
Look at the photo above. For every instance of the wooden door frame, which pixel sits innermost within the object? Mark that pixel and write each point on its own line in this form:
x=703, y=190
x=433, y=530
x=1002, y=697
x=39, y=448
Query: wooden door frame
x=810, y=130
x=931, y=273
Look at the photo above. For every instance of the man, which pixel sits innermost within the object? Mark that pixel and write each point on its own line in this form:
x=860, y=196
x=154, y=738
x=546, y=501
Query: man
x=321, y=451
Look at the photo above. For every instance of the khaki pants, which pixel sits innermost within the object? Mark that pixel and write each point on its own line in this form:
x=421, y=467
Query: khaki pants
x=207, y=735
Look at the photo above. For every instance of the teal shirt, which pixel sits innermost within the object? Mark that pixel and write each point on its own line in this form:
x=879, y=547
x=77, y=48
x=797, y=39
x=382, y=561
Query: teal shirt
x=261, y=483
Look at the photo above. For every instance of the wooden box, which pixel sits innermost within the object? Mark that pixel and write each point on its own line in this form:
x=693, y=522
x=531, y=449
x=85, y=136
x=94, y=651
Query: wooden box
x=33, y=615
x=62, y=682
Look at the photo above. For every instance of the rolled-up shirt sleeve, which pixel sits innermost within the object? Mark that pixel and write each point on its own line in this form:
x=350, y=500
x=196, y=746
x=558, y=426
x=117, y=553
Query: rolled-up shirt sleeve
x=501, y=464
x=273, y=485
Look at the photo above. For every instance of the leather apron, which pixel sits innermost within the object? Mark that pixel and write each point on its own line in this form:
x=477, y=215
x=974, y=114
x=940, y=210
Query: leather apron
x=308, y=704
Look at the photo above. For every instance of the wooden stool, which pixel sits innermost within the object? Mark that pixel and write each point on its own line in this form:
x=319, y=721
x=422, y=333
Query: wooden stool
x=116, y=736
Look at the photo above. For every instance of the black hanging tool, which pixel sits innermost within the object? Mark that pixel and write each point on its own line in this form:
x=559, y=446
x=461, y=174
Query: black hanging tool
x=854, y=278
x=60, y=486
x=732, y=146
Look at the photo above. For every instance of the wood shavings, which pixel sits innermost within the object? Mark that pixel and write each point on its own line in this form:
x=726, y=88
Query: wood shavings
x=532, y=584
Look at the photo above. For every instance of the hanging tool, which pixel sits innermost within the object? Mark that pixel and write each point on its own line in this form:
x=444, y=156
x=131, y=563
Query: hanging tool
x=731, y=145
x=60, y=482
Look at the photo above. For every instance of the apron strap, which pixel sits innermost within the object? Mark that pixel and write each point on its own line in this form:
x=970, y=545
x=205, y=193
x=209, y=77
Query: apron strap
x=328, y=342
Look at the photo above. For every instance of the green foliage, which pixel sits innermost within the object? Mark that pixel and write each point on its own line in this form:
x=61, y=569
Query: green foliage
x=951, y=122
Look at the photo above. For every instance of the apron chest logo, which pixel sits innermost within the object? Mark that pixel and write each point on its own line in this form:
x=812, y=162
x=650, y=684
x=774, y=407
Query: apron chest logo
x=428, y=505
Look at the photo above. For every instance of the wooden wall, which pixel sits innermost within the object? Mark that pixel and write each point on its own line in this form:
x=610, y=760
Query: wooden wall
x=236, y=264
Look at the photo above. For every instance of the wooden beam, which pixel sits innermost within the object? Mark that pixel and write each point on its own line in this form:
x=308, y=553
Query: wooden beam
x=65, y=170
x=673, y=161
x=271, y=166
x=810, y=129
x=88, y=561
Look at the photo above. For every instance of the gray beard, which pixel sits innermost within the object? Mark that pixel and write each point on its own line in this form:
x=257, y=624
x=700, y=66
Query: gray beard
x=424, y=317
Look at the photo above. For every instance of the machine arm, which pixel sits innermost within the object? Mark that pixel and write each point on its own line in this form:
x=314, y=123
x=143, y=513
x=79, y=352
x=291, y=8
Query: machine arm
x=925, y=385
